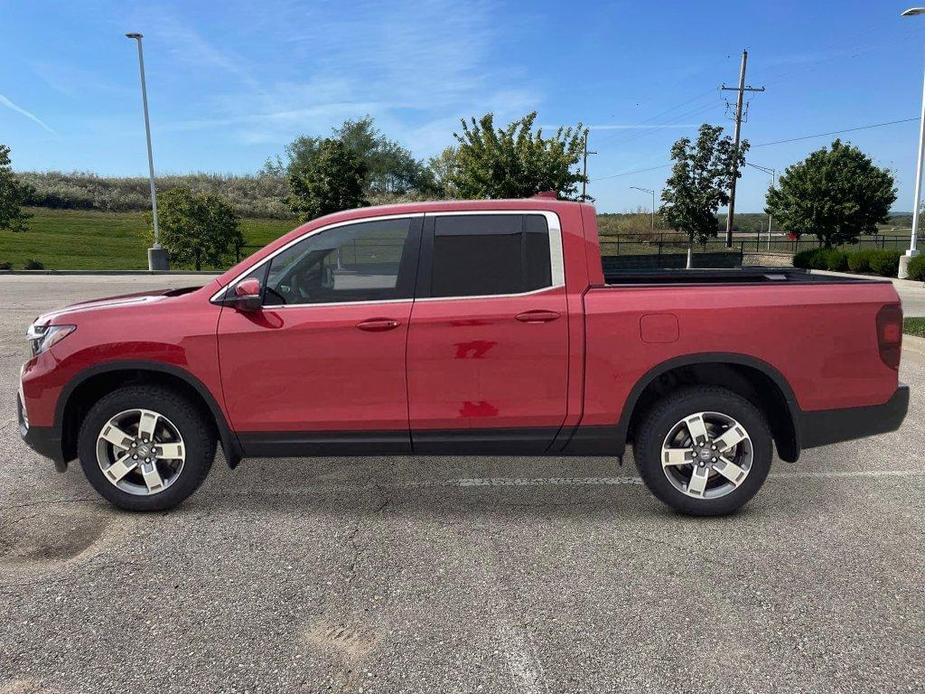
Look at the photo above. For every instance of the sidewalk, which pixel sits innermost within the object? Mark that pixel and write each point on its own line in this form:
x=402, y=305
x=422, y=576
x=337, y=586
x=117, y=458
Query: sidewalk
x=912, y=292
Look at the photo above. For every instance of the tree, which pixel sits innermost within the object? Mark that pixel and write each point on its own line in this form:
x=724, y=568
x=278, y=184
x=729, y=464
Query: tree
x=332, y=181
x=12, y=195
x=836, y=194
x=515, y=162
x=197, y=228
x=390, y=168
x=441, y=170
x=699, y=183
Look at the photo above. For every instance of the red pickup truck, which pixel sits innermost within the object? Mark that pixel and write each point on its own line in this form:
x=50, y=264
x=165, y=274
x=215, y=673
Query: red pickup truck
x=470, y=328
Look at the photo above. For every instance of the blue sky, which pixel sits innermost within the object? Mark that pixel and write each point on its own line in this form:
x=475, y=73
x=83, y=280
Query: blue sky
x=231, y=83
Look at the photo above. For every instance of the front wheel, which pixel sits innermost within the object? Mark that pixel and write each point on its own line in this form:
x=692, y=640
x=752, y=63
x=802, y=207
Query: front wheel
x=145, y=448
x=704, y=451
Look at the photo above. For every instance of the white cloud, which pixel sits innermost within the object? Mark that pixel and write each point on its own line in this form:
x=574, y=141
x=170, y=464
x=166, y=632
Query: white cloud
x=416, y=67
x=28, y=114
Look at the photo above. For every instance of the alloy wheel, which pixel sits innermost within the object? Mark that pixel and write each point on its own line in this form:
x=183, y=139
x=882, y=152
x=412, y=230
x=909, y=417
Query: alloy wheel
x=707, y=455
x=140, y=452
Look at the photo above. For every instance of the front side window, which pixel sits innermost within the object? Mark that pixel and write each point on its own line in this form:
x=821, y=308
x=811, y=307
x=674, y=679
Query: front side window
x=366, y=261
x=485, y=255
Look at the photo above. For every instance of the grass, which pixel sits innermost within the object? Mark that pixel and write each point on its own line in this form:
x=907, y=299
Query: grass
x=91, y=240
x=914, y=326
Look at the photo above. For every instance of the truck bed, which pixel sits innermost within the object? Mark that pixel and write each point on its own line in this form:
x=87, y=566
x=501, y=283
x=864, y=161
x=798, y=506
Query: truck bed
x=746, y=275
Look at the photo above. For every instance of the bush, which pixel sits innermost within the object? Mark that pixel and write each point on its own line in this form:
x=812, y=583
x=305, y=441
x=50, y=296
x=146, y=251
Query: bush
x=809, y=259
x=836, y=260
x=885, y=263
x=917, y=268
x=859, y=261
x=6, y=266
x=32, y=264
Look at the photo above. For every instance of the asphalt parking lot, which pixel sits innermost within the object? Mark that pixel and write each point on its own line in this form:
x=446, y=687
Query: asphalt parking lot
x=458, y=575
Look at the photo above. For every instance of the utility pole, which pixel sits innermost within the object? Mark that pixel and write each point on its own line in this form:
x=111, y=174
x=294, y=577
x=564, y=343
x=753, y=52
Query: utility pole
x=741, y=89
x=584, y=170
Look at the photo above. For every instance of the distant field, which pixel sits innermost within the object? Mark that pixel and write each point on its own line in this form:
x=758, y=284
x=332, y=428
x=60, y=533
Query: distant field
x=90, y=240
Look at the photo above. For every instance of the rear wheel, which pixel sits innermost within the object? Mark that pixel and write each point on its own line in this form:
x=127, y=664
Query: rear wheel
x=704, y=451
x=145, y=448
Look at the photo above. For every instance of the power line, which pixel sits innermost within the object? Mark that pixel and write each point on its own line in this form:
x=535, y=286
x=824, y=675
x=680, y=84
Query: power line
x=629, y=173
x=837, y=132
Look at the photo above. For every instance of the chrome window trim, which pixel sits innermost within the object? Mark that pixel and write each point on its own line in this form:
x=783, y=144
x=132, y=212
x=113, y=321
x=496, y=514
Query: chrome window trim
x=556, y=259
x=337, y=303
x=333, y=225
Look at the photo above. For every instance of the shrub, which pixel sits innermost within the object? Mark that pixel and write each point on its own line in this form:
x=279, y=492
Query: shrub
x=33, y=264
x=859, y=261
x=6, y=266
x=885, y=263
x=917, y=268
x=807, y=259
x=836, y=260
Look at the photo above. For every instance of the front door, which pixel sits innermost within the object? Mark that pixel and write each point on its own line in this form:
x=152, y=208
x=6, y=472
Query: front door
x=488, y=343
x=323, y=363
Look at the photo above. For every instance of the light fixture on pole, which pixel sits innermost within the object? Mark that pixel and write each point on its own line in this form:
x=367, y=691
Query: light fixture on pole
x=773, y=173
x=912, y=252
x=157, y=256
x=646, y=190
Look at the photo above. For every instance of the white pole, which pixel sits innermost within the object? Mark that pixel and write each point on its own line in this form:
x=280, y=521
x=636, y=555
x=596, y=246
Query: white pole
x=144, y=101
x=912, y=252
x=918, y=175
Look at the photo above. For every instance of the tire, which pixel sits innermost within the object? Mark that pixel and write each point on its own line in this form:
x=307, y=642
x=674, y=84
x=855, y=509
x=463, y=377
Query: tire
x=725, y=489
x=179, y=424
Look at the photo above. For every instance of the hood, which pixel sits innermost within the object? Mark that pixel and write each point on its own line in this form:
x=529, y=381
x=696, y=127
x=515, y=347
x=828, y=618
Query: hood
x=119, y=301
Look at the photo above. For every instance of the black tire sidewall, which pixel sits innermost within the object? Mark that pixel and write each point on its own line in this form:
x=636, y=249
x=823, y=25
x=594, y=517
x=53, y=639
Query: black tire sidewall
x=199, y=444
x=666, y=414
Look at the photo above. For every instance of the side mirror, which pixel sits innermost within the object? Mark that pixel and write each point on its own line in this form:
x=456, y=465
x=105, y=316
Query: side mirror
x=246, y=295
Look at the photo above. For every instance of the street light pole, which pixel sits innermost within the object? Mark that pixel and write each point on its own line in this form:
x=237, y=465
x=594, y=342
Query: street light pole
x=157, y=256
x=912, y=252
x=646, y=190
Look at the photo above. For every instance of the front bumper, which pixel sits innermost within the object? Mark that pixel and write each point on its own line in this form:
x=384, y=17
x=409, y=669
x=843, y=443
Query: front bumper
x=43, y=440
x=831, y=426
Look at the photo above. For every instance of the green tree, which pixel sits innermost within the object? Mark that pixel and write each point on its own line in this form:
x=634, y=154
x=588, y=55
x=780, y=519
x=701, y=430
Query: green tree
x=332, y=181
x=699, y=182
x=390, y=168
x=12, y=195
x=196, y=228
x=440, y=170
x=835, y=193
x=515, y=162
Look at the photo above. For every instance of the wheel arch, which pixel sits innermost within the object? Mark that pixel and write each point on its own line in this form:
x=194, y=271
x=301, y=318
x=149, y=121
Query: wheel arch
x=752, y=378
x=89, y=385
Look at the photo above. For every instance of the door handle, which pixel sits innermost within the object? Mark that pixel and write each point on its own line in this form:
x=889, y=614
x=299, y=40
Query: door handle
x=378, y=325
x=537, y=316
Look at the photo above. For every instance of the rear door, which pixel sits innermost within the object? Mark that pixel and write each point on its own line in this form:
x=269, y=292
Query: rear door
x=488, y=341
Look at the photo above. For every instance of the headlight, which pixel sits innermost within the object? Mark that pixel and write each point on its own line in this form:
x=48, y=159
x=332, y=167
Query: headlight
x=42, y=337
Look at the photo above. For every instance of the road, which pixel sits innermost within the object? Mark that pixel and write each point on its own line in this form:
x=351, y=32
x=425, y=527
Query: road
x=458, y=575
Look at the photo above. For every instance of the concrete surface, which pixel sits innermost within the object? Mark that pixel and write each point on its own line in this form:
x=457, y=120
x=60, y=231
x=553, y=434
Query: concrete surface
x=911, y=292
x=458, y=575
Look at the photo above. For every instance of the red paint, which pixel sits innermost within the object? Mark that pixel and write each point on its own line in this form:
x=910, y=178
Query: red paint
x=478, y=362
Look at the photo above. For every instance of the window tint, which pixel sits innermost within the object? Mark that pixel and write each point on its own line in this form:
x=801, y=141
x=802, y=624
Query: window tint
x=484, y=255
x=356, y=262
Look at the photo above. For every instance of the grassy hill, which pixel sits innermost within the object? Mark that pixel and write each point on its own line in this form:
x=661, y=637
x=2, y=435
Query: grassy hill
x=92, y=240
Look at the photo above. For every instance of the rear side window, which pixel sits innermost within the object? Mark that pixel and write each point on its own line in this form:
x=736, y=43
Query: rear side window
x=485, y=255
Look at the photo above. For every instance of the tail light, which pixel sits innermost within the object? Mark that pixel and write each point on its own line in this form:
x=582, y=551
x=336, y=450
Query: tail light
x=890, y=334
